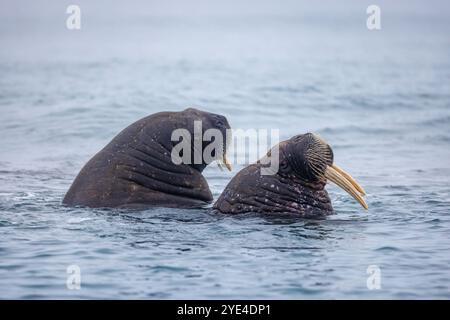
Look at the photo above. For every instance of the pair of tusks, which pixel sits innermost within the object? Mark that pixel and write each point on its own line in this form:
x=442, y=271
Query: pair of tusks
x=224, y=161
x=346, y=182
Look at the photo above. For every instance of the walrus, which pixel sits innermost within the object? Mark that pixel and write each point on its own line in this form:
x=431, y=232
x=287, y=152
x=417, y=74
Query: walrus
x=136, y=169
x=297, y=187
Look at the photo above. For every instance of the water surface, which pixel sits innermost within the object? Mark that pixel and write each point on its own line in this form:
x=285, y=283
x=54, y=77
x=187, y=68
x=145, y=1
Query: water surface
x=380, y=98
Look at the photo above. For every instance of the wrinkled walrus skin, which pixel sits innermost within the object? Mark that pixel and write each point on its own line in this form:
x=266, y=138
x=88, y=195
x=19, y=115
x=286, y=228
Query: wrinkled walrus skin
x=135, y=169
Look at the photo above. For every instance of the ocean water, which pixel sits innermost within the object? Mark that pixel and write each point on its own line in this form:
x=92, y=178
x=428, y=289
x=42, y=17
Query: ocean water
x=380, y=98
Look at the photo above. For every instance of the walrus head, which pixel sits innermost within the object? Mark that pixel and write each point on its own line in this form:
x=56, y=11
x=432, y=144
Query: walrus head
x=305, y=165
x=198, y=123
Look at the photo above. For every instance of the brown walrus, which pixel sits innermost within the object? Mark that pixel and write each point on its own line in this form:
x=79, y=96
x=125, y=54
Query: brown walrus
x=135, y=170
x=305, y=165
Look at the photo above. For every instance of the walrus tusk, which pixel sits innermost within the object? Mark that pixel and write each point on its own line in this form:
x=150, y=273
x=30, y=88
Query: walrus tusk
x=346, y=182
x=224, y=161
x=349, y=178
x=227, y=163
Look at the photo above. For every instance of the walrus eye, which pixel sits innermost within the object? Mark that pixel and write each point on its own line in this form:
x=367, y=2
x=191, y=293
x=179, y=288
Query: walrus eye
x=284, y=166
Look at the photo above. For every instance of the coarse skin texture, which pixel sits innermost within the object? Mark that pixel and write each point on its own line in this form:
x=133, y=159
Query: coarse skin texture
x=135, y=169
x=296, y=188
